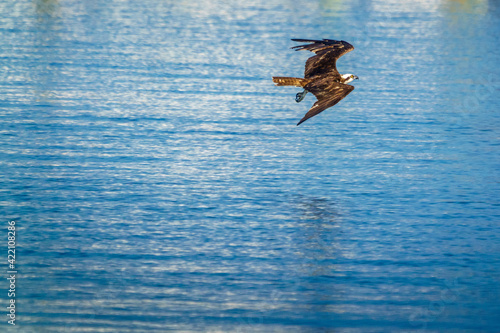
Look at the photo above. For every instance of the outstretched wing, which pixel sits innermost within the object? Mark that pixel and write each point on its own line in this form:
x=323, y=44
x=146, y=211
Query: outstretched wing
x=328, y=94
x=327, y=52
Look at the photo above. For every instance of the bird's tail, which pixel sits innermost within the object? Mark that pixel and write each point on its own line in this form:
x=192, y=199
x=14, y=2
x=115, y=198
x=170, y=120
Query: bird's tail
x=289, y=81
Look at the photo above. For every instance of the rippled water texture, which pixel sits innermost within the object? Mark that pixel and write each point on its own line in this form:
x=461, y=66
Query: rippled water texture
x=160, y=184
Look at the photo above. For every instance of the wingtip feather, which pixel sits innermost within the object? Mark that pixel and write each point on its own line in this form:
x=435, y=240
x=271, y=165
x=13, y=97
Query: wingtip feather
x=302, y=40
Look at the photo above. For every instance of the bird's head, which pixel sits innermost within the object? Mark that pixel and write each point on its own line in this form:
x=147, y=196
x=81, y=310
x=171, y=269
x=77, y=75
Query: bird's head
x=349, y=78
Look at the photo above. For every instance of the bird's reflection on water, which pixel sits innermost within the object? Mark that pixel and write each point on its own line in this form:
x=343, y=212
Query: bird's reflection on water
x=320, y=209
x=319, y=225
x=317, y=252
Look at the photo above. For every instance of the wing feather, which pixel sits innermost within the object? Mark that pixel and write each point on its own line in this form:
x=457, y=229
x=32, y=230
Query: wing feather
x=327, y=52
x=328, y=94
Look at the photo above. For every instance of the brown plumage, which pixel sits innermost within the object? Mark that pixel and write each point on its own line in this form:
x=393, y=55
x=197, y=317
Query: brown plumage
x=289, y=81
x=321, y=77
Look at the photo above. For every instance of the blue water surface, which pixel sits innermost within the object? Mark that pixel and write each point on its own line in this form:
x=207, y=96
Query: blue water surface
x=159, y=182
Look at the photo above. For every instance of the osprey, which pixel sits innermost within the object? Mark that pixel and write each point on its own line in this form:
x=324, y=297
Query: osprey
x=321, y=77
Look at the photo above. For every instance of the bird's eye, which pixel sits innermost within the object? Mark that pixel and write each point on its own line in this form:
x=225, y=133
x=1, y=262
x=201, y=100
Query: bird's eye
x=352, y=76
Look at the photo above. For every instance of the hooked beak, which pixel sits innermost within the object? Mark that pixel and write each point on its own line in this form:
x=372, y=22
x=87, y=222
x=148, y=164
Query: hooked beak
x=356, y=78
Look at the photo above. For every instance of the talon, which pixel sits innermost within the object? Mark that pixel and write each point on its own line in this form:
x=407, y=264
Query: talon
x=300, y=96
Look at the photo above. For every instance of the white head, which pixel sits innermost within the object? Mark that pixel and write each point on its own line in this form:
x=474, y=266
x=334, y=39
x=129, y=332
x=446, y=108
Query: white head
x=349, y=77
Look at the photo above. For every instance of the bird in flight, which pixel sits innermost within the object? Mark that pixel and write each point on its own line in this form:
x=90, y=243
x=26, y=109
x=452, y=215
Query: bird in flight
x=321, y=77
